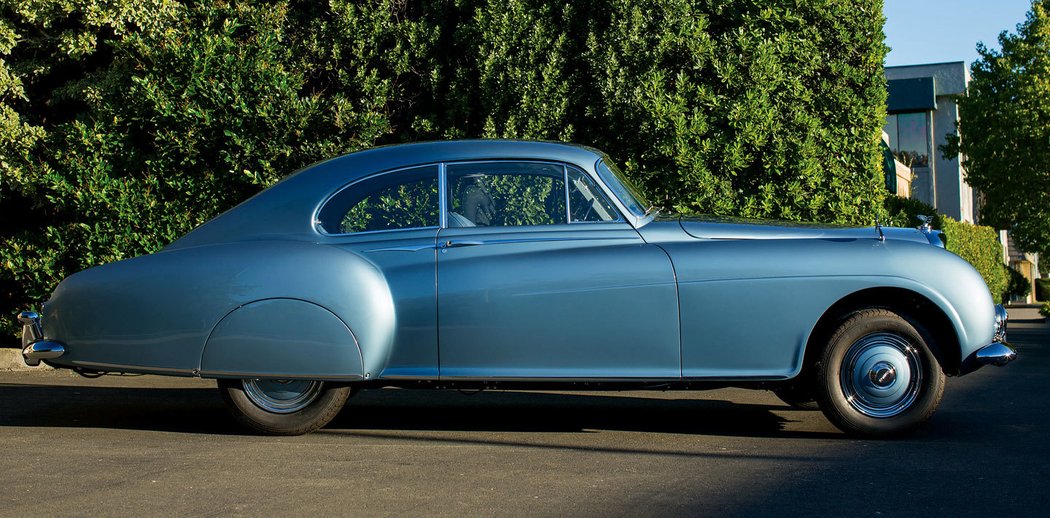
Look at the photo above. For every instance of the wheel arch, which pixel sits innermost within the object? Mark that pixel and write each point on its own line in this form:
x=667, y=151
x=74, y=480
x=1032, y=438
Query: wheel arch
x=912, y=305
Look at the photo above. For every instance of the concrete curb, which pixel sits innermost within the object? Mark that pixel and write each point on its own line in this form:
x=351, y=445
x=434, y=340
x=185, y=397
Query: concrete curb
x=11, y=360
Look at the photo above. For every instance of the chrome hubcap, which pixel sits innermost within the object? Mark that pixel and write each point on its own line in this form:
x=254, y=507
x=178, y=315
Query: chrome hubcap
x=881, y=375
x=282, y=396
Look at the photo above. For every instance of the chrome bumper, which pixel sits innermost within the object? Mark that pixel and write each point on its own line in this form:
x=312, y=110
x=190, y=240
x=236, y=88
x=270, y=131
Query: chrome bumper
x=997, y=353
x=34, y=346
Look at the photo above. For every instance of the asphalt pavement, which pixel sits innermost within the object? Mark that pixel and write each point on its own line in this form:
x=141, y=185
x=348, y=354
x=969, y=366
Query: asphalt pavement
x=146, y=445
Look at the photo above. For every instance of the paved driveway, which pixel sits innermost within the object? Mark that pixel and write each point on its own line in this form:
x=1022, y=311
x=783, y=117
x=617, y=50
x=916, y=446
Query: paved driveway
x=135, y=445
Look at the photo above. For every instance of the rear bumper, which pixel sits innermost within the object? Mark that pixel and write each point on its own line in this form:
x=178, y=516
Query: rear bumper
x=34, y=347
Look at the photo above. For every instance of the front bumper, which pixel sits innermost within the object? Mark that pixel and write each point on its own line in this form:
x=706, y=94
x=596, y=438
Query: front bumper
x=34, y=347
x=997, y=353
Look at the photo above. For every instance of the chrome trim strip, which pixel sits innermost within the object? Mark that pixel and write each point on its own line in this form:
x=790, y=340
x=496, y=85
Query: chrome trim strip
x=406, y=248
x=134, y=368
x=565, y=180
x=454, y=244
x=442, y=196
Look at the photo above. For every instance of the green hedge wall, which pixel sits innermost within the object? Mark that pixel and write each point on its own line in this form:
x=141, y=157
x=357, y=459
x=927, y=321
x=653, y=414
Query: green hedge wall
x=1042, y=290
x=125, y=123
x=980, y=247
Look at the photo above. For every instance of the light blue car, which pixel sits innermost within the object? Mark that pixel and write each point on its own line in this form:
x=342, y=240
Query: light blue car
x=503, y=264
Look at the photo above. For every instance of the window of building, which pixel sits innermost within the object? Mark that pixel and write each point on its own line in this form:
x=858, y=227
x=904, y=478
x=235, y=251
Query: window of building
x=909, y=138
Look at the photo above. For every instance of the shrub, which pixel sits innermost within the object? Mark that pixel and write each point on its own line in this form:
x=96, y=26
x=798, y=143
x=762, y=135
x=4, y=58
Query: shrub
x=123, y=123
x=1017, y=286
x=979, y=246
x=905, y=212
x=1045, y=310
x=1042, y=288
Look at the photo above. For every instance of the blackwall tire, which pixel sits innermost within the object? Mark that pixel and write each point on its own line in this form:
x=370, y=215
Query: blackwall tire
x=878, y=376
x=280, y=407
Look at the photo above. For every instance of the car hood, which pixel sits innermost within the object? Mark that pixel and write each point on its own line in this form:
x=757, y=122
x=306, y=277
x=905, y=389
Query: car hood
x=717, y=227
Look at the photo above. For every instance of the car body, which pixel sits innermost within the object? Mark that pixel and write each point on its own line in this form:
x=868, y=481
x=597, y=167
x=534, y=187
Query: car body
x=524, y=264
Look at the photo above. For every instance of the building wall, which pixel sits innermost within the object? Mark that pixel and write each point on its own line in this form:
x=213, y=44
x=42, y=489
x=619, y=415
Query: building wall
x=942, y=184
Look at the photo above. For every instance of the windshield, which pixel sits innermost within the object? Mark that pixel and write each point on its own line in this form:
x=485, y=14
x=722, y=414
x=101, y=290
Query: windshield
x=622, y=187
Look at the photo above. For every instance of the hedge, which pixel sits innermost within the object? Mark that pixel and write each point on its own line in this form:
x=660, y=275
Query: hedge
x=980, y=246
x=125, y=123
x=1042, y=289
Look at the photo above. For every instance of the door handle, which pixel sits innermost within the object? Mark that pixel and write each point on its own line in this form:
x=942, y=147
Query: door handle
x=458, y=244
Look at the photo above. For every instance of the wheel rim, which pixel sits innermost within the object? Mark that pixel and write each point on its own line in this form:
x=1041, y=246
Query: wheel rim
x=282, y=396
x=881, y=375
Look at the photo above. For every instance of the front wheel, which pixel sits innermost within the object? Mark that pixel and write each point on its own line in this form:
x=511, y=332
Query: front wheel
x=283, y=407
x=878, y=376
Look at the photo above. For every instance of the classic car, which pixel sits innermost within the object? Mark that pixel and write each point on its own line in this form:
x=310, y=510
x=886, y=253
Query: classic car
x=523, y=265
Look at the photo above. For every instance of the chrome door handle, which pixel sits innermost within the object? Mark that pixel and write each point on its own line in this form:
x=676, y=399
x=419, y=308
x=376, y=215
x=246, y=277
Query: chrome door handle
x=457, y=244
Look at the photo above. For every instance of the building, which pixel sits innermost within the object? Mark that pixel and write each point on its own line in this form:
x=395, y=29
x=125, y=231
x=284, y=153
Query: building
x=921, y=114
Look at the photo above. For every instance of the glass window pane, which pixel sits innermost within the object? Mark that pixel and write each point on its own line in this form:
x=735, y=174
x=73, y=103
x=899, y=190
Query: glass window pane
x=587, y=203
x=505, y=194
x=912, y=140
x=400, y=199
x=622, y=188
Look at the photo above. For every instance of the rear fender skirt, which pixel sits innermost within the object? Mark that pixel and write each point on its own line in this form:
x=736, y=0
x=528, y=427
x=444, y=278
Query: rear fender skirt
x=282, y=338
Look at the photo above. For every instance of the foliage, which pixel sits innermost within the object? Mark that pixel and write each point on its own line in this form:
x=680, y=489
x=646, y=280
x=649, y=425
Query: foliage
x=979, y=246
x=1005, y=116
x=1017, y=285
x=905, y=212
x=1042, y=290
x=1045, y=309
x=125, y=123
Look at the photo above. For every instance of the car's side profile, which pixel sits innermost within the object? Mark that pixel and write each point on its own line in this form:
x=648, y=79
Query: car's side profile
x=523, y=264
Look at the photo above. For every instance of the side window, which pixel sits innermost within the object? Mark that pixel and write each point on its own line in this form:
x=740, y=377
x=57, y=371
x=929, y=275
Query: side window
x=587, y=202
x=505, y=194
x=407, y=198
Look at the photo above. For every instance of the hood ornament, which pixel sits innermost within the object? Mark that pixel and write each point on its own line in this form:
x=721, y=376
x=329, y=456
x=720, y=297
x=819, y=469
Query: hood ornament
x=926, y=221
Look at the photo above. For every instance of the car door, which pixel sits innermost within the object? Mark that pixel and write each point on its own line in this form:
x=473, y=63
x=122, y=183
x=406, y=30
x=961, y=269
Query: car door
x=391, y=220
x=540, y=277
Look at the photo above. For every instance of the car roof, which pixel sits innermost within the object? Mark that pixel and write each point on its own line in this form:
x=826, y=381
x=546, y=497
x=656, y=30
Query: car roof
x=286, y=209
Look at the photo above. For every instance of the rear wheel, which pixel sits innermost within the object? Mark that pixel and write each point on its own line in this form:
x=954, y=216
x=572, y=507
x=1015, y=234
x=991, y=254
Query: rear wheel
x=878, y=376
x=283, y=407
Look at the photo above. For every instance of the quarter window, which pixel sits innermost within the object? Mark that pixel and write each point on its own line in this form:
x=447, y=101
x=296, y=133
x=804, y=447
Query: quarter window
x=401, y=199
x=587, y=202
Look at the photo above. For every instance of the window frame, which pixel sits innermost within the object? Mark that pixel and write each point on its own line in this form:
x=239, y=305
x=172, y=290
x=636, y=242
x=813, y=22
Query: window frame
x=443, y=202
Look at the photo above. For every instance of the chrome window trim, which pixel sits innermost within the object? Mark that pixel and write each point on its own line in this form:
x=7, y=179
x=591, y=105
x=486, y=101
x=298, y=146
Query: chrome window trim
x=623, y=214
x=565, y=181
x=442, y=195
x=316, y=219
x=617, y=206
x=634, y=219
